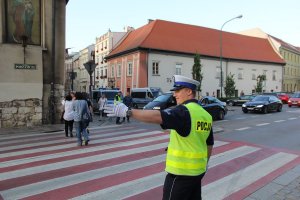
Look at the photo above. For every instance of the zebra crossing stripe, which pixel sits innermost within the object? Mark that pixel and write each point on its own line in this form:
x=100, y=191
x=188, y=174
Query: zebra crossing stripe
x=124, y=164
x=234, y=182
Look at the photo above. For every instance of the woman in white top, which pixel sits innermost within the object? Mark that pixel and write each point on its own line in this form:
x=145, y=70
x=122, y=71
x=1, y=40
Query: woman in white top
x=102, y=102
x=68, y=116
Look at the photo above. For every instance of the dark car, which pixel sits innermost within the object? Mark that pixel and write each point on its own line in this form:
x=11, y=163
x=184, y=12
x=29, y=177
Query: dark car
x=240, y=100
x=161, y=102
x=216, y=108
x=263, y=104
x=212, y=105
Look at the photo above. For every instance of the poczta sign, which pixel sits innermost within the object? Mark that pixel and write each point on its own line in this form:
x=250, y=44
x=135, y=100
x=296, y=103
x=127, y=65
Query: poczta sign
x=25, y=66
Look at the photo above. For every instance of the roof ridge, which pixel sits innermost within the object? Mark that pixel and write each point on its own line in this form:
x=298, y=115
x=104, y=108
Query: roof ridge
x=148, y=35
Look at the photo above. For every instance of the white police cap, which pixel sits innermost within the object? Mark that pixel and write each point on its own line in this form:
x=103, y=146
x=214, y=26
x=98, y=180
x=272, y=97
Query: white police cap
x=184, y=82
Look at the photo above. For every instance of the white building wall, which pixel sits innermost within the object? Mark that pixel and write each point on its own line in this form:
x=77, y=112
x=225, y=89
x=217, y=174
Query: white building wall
x=247, y=84
x=211, y=73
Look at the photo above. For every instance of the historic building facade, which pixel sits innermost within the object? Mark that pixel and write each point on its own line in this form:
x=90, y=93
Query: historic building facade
x=290, y=54
x=32, y=60
x=150, y=55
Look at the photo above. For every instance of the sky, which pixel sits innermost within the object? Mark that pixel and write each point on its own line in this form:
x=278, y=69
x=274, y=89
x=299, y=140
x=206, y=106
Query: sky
x=88, y=19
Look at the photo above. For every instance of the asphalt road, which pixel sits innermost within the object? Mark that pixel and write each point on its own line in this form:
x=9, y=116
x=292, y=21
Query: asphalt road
x=276, y=129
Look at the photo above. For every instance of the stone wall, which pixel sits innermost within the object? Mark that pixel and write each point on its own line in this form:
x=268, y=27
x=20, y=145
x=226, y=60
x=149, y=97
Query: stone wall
x=16, y=113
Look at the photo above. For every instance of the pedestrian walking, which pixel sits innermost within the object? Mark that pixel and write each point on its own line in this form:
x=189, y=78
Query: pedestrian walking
x=117, y=100
x=102, y=103
x=127, y=100
x=68, y=116
x=191, y=139
x=90, y=109
x=80, y=107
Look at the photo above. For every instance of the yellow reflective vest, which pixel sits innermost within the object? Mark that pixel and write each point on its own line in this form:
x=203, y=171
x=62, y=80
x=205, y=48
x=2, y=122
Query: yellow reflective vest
x=119, y=99
x=188, y=155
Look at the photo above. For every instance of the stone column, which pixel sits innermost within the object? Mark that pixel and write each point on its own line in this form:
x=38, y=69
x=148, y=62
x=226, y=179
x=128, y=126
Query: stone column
x=53, y=76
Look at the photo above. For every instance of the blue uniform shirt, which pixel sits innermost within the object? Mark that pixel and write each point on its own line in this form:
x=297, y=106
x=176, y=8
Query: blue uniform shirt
x=179, y=119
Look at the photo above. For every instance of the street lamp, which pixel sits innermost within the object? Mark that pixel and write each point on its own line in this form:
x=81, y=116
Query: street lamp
x=221, y=49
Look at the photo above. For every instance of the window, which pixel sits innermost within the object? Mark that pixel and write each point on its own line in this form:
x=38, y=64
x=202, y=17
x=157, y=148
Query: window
x=253, y=74
x=119, y=70
x=218, y=72
x=265, y=73
x=274, y=76
x=155, y=68
x=112, y=71
x=240, y=73
x=178, y=69
x=129, y=69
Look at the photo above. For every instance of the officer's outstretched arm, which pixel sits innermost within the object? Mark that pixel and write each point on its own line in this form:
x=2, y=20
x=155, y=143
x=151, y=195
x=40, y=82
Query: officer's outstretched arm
x=149, y=116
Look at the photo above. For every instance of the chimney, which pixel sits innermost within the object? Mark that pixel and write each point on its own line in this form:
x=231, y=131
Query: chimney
x=150, y=20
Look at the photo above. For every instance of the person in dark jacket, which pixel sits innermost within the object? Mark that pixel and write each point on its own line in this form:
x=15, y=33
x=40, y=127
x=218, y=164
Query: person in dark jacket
x=127, y=100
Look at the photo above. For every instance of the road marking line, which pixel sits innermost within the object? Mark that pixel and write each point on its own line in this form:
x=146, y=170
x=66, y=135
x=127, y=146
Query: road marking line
x=263, y=124
x=280, y=120
x=241, y=129
x=244, y=177
x=241, y=118
x=292, y=118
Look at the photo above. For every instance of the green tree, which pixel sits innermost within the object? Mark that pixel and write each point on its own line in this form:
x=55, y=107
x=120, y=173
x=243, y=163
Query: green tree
x=259, y=84
x=196, y=72
x=229, y=88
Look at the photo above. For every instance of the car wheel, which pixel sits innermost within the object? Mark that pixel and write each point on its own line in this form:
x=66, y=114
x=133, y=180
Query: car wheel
x=221, y=115
x=290, y=105
x=230, y=103
x=265, y=110
x=245, y=110
x=279, y=108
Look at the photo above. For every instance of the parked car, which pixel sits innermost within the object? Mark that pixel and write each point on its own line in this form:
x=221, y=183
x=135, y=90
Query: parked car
x=216, y=108
x=294, y=100
x=263, y=104
x=240, y=100
x=284, y=97
x=142, y=96
x=161, y=102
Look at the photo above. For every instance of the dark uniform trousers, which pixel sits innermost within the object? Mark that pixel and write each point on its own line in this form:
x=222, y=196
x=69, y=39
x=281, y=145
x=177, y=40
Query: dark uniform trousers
x=182, y=187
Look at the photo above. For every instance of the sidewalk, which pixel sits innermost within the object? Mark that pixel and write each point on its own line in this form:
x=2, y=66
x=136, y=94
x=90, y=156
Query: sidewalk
x=284, y=187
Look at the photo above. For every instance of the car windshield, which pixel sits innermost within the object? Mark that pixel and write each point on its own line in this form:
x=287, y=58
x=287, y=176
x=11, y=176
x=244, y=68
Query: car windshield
x=261, y=98
x=138, y=94
x=110, y=94
x=162, y=98
x=296, y=95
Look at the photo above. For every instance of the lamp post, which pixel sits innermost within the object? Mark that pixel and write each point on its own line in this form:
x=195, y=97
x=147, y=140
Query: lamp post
x=221, y=51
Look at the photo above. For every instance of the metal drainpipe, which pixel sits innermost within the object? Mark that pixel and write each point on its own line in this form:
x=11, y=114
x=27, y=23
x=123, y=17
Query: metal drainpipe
x=52, y=95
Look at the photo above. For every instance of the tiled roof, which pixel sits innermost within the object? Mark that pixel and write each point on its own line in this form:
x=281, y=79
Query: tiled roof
x=184, y=38
x=286, y=45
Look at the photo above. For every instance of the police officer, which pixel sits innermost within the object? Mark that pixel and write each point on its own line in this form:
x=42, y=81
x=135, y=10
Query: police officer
x=191, y=139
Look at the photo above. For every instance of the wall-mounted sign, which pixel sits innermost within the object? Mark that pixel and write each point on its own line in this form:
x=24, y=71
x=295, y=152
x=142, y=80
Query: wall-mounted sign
x=25, y=66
